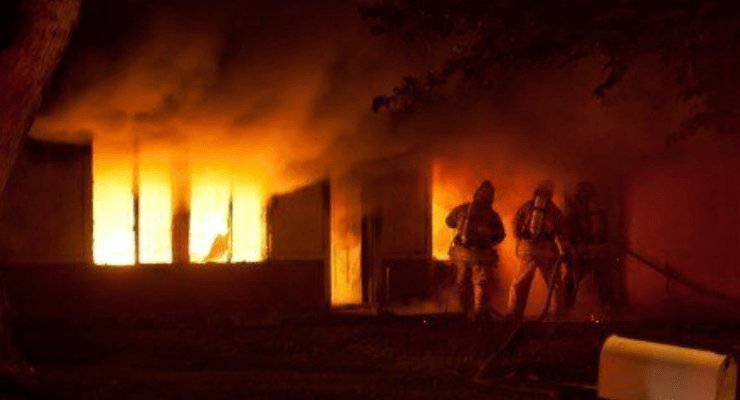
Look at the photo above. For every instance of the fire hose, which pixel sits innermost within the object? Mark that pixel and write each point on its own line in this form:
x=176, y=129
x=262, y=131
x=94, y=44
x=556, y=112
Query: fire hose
x=673, y=275
x=665, y=270
x=518, y=328
x=551, y=288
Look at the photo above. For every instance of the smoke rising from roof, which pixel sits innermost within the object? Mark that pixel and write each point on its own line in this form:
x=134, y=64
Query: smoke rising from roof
x=286, y=87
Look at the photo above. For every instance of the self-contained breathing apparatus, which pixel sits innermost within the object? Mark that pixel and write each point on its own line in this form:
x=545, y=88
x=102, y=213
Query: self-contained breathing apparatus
x=466, y=229
x=475, y=234
x=537, y=217
x=536, y=226
x=468, y=236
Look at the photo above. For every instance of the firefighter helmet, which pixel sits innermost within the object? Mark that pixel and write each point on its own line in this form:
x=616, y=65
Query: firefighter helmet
x=545, y=188
x=485, y=192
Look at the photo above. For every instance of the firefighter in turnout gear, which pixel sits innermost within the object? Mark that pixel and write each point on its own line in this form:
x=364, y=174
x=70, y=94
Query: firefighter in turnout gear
x=539, y=231
x=479, y=230
x=588, y=234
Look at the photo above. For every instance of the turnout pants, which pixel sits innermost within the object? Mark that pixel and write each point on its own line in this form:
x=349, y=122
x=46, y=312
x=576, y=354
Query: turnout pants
x=475, y=281
x=535, y=258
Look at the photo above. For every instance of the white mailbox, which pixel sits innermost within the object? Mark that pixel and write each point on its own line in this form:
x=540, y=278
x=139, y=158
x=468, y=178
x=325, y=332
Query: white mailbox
x=637, y=370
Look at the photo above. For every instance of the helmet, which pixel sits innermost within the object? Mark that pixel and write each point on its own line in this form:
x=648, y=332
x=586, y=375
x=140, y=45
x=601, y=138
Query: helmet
x=585, y=190
x=546, y=188
x=485, y=192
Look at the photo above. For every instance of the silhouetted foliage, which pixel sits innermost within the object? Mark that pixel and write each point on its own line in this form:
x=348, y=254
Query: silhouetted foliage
x=697, y=41
x=10, y=16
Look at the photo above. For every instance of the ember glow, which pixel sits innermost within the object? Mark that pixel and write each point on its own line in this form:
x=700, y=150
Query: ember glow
x=213, y=188
x=209, y=211
x=249, y=228
x=155, y=205
x=346, y=222
x=445, y=196
x=113, y=213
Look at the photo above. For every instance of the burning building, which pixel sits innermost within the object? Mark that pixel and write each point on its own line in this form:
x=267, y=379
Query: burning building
x=168, y=137
x=364, y=235
x=172, y=144
x=368, y=234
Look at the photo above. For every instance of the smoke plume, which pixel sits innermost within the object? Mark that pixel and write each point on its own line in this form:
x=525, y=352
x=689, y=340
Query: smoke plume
x=285, y=88
x=264, y=85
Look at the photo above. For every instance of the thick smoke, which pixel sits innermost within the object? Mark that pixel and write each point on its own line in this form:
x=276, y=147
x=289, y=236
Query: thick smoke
x=284, y=88
x=266, y=85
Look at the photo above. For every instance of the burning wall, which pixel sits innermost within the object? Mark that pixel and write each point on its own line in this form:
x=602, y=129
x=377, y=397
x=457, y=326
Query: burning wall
x=381, y=230
x=346, y=239
x=396, y=200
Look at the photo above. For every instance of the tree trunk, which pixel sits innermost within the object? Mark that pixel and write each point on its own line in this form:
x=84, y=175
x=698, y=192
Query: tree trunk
x=26, y=66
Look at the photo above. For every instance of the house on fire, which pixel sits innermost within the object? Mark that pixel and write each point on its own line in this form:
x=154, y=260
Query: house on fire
x=360, y=238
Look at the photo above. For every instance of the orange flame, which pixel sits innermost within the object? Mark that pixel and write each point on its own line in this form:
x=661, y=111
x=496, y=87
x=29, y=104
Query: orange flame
x=346, y=221
x=113, y=214
x=446, y=195
x=454, y=183
x=155, y=192
x=209, y=207
x=212, y=189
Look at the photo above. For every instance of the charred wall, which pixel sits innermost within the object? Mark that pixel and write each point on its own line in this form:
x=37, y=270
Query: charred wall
x=297, y=224
x=396, y=227
x=46, y=210
x=683, y=212
x=405, y=249
x=298, y=230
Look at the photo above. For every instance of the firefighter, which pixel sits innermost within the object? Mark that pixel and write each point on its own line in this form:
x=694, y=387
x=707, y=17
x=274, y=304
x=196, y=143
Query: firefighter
x=473, y=250
x=539, y=230
x=588, y=234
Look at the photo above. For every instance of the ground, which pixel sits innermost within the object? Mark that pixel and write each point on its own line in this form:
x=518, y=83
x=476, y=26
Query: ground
x=332, y=358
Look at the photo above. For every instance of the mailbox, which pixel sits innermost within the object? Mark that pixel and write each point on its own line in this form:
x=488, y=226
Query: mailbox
x=638, y=370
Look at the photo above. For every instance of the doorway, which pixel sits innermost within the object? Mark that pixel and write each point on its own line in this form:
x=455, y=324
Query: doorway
x=374, y=287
